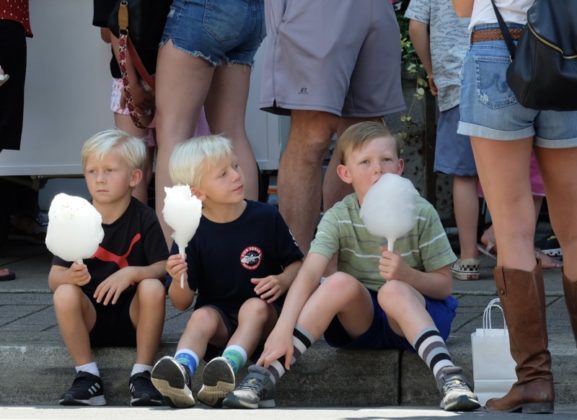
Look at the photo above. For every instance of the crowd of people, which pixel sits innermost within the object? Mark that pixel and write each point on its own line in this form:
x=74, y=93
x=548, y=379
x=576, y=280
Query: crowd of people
x=266, y=283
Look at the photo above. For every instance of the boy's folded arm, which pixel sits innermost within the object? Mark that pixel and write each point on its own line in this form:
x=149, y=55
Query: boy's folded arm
x=180, y=297
x=153, y=271
x=436, y=284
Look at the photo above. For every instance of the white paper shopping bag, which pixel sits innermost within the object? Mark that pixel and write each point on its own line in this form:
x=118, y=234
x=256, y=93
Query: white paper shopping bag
x=493, y=366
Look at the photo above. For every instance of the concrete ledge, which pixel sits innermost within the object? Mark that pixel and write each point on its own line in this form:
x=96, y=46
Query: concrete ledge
x=38, y=374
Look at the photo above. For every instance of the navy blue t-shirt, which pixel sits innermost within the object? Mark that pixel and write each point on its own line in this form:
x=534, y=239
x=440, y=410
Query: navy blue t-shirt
x=223, y=257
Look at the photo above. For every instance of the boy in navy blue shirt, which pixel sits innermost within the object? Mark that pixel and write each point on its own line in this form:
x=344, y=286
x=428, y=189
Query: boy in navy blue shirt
x=238, y=266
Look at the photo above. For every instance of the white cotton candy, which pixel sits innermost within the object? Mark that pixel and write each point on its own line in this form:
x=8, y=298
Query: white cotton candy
x=388, y=208
x=74, y=228
x=182, y=212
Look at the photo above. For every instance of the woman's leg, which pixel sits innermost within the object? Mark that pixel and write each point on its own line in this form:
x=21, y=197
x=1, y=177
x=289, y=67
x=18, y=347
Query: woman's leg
x=225, y=109
x=182, y=83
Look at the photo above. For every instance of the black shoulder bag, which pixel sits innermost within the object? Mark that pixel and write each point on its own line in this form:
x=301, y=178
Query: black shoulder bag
x=543, y=69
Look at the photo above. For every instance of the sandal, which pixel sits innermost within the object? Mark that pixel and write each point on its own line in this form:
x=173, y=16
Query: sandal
x=547, y=262
x=466, y=269
x=490, y=250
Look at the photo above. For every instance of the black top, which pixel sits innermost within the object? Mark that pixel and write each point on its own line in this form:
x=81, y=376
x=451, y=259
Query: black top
x=134, y=239
x=223, y=257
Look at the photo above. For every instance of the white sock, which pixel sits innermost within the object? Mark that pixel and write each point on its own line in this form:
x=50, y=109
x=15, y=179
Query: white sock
x=91, y=367
x=139, y=368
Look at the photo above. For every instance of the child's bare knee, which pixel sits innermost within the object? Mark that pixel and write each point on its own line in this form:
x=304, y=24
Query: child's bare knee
x=150, y=290
x=255, y=309
x=67, y=296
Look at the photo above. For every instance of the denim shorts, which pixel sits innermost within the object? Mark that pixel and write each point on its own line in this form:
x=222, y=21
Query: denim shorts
x=490, y=110
x=219, y=31
x=381, y=336
x=453, y=152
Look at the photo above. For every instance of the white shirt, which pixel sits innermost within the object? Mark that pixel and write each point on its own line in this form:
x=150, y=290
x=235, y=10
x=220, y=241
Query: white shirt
x=514, y=11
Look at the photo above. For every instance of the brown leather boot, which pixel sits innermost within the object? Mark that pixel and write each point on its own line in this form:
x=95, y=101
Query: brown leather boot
x=570, y=289
x=522, y=297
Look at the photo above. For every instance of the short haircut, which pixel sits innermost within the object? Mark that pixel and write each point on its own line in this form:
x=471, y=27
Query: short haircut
x=132, y=149
x=358, y=134
x=191, y=160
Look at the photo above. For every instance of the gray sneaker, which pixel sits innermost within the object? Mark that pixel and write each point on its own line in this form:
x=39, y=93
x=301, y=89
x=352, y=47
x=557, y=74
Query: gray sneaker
x=217, y=382
x=457, y=395
x=255, y=391
x=172, y=380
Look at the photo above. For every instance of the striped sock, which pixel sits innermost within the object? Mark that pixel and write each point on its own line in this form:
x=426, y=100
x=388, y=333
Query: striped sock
x=236, y=356
x=187, y=358
x=432, y=349
x=302, y=340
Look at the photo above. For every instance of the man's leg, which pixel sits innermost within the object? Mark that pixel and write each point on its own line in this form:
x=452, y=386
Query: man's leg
x=299, y=175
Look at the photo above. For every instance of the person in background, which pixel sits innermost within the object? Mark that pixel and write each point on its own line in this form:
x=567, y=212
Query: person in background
x=328, y=65
x=205, y=58
x=440, y=39
x=503, y=135
x=14, y=28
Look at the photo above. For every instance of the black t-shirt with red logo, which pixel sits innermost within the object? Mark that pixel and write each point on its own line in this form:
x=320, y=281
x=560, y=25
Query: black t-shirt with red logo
x=223, y=257
x=134, y=239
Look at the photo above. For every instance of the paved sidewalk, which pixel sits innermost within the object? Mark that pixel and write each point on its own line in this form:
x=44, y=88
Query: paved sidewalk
x=29, y=339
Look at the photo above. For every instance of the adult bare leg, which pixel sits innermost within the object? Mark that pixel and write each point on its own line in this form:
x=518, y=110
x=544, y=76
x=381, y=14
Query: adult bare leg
x=299, y=176
x=225, y=108
x=182, y=83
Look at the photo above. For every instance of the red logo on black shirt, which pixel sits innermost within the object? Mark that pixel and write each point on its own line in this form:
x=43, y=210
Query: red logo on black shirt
x=251, y=257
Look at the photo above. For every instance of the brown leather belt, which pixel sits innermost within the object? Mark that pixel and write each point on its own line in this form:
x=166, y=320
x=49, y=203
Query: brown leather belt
x=494, y=34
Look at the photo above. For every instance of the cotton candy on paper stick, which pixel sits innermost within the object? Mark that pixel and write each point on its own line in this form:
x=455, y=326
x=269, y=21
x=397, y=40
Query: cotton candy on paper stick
x=74, y=228
x=181, y=212
x=388, y=209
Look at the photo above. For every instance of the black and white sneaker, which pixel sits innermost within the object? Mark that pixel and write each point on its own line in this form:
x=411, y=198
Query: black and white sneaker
x=217, y=381
x=172, y=380
x=86, y=389
x=142, y=392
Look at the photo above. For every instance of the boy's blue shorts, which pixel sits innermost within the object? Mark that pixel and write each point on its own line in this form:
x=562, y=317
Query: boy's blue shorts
x=380, y=336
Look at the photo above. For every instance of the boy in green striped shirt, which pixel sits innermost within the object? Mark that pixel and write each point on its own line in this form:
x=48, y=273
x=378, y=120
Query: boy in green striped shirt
x=376, y=299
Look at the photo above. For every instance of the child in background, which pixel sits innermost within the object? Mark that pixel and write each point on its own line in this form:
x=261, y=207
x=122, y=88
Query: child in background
x=115, y=298
x=377, y=299
x=238, y=266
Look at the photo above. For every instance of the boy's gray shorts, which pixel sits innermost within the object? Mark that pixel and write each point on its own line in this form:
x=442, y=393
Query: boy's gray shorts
x=337, y=56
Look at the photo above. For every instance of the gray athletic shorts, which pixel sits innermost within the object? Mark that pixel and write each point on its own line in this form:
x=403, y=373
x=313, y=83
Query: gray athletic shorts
x=337, y=56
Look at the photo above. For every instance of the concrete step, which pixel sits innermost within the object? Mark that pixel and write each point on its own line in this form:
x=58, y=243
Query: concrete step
x=39, y=373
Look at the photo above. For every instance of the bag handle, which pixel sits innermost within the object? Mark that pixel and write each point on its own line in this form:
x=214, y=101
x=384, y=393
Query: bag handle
x=487, y=322
x=505, y=31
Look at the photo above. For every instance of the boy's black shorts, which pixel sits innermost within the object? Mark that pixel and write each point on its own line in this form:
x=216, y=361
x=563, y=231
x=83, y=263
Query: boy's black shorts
x=113, y=325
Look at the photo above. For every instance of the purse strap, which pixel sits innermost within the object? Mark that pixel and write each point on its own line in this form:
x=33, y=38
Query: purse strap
x=125, y=47
x=505, y=31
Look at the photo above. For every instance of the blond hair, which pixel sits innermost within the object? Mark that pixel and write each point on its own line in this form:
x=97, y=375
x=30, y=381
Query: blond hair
x=191, y=160
x=358, y=134
x=132, y=149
